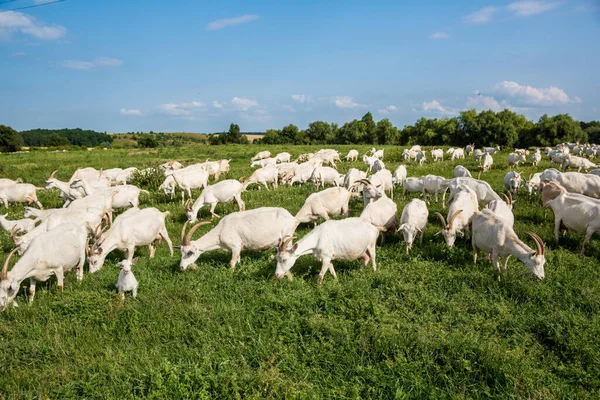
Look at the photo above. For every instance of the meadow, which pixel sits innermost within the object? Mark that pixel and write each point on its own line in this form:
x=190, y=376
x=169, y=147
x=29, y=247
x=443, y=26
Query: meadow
x=430, y=324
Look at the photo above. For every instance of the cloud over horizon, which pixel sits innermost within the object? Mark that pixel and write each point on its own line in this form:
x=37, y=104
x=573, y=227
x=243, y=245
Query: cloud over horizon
x=225, y=22
x=89, y=65
x=14, y=21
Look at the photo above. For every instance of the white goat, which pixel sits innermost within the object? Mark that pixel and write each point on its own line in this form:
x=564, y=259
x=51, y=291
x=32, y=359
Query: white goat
x=577, y=162
x=141, y=228
x=352, y=177
x=42, y=261
x=488, y=161
x=399, y=175
x=19, y=193
x=383, y=181
x=219, y=193
x=460, y=213
x=346, y=239
x=413, y=221
x=536, y=158
x=322, y=176
x=19, y=225
x=325, y=204
x=514, y=159
x=470, y=148
x=412, y=185
x=127, y=281
x=265, y=162
x=512, y=181
x=503, y=209
x=434, y=185
x=125, y=195
x=260, y=155
x=458, y=153
x=437, y=154
x=258, y=229
x=284, y=157
x=263, y=176
x=382, y=213
x=533, y=183
x=460, y=171
x=352, y=155
x=495, y=237
x=484, y=191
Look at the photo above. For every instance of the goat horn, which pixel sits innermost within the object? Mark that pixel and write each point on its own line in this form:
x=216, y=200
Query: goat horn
x=364, y=181
x=284, y=241
x=52, y=174
x=539, y=245
x=505, y=198
x=96, y=235
x=453, y=217
x=13, y=233
x=5, y=267
x=188, y=238
x=530, y=176
x=441, y=217
x=187, y=204
x=183, y=230
x=510, y=198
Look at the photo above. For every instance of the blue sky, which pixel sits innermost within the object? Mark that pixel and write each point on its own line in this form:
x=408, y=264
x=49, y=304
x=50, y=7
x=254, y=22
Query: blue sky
x=197, y=66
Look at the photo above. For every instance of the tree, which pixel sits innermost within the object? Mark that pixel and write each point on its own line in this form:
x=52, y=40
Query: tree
x=320, y=132
x=58, y=141
x=560, y=128
x=147, y=141
x=9, y=140
x=386, y=132
x=369, y=135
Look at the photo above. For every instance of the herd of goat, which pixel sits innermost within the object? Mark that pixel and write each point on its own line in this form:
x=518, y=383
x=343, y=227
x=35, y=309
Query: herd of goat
x=53, y=241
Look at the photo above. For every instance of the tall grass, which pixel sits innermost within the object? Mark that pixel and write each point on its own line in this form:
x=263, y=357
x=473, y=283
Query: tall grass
x=427, y=325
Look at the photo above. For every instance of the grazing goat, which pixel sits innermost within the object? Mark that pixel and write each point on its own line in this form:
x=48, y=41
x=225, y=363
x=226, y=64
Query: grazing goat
x=470, y=148
x=260, y=155
x=346, y=239
x=140, y=228
x=20, y=225
x=258, y=229
x=433, y=184
x=412, y=185
x=512, y=181
x=503, y=209
x=460, y=171
x=382, y=213
x=514, y=159
x=488, y=161
x=41, y=261
x=219, y=193
x=577, y=162
x=352, y=177
x=494, y=236
x=399, y=175
x=484, y=191
x=437, y=154
x=533, y=183
x=283, y=157
x=413, y=221
x=263, y=176
x=322, y=176
x=19, y=193
x=325, y=204
x=352, y=155
x=460, y=213
x=265, y=162
x=458, y=153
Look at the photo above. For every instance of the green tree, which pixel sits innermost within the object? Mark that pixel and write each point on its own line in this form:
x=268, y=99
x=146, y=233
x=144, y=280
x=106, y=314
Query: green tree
x=386, y=132
x=9, y=140
x=369, y=135
x=147, y=141
x=57, y=141
x=560, y=128
x=320, y=132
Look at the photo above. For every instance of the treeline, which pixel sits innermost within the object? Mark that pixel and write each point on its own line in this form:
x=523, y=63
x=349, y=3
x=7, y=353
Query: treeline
x=504, y=128
x=65, y=137
x=233, y=136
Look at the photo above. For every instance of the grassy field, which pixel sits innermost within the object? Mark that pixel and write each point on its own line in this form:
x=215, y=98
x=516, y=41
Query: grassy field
x=427, y=325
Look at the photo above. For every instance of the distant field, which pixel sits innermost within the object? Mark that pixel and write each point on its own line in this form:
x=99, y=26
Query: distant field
x=425, y=325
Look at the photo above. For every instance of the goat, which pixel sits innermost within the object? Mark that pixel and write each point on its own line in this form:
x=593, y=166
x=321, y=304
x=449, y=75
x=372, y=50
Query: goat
x=577, y=213
x=382, y=213
x=437, y=154
x=488, y=161
x=494, y=236
x=533, y=183
x=484, y=191
x=383, y=181
x=346, y=239
x=258, y=229
x=536, y=158
x=352, y=177
x=575, y=182
x=263, y=176
x=413, y=221
x=470, y=148
x=399, y=175
x=503, y=209
x=460, y=171
x=352, y=155
x=460, y=212
x=20, y=225
x=19, y=193
x=127, y=281
x=514, y=159
x=8, y=182
x=283, y=157
x=412, y=185
x=41, y=261
x=477, y=154
x=433, y=184
x=124, y=195
x=325, y=204
x=140, y=228
x=458, y=153
x=260, y=155
x=577, y=162
x=219, y=193
x=512, y=181
x=265, y=162
x=491, y=150
x=324, y=175
x=190, y=178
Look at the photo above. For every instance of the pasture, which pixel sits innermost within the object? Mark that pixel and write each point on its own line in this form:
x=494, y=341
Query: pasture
x=430, y=324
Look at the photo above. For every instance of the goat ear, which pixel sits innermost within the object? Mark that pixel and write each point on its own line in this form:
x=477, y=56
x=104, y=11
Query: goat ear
x=461, y=233
x=294, y=247
x=14, y=285
x=437, y=233
x=100, y=250
x=135, y=260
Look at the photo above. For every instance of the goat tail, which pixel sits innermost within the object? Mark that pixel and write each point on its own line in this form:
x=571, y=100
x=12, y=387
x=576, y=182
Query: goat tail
x=19, y=180
x=167, y=213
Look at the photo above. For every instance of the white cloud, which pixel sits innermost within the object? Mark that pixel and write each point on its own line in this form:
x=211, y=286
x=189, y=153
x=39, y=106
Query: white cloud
x=289, y=108
x=44, y=1
x=346, y=102
x=480, y=16
x=243, y=104
x=436, y=106
x=12, y=21
x=302, y=98
x=216, y=104
x=181, y=109
x=129, y=111
x=486, y=103
x=527, y=8
x=388, y=109
x=88, y=65
x=439, y=35
x=225, y=22
x=18, y=54
x=533, y=96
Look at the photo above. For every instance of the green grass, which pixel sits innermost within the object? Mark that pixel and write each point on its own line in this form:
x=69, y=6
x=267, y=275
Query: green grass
x=427, y=325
